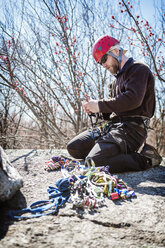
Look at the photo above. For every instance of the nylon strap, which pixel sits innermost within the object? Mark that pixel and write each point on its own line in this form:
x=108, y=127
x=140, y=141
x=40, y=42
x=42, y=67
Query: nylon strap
x=119, y=58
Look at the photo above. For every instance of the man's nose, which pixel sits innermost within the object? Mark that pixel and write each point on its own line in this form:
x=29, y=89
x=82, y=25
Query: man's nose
x=104, y=65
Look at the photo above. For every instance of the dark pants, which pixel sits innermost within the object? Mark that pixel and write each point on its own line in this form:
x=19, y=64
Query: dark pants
x=117, y=148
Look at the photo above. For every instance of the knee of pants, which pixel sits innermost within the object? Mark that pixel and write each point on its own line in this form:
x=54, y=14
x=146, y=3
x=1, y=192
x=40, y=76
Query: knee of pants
x=71, y=148
x=75, y=151
x=80, y=145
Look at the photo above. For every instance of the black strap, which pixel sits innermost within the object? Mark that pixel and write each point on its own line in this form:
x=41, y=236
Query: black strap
x=136, y=119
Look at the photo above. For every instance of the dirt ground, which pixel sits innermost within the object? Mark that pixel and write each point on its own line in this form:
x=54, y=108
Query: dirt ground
x=135, y=223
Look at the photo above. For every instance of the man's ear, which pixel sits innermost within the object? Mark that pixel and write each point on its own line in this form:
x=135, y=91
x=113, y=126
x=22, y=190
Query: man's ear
x=116, y=52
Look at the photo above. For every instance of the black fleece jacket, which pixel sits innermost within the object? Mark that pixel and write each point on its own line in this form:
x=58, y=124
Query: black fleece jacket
x=132, y=92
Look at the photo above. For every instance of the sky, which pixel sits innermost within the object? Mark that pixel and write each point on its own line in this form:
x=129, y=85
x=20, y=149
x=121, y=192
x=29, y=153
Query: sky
x=148, y=8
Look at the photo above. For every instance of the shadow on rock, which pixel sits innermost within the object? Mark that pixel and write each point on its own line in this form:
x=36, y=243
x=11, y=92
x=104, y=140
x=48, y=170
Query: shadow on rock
x=25, y=156
x=147, y=182
x=17, y=202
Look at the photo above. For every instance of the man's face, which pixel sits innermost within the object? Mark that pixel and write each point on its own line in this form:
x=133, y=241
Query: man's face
x=110, y=63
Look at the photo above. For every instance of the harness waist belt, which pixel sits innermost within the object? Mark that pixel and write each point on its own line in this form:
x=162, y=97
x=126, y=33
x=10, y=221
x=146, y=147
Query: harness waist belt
x=136, y=119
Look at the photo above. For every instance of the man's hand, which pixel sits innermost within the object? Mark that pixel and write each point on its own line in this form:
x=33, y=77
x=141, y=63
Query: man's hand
x=91, y=106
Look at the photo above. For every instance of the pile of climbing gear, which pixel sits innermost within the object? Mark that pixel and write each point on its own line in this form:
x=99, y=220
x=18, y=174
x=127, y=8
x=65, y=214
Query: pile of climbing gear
x=94, y=184
x=84, y=187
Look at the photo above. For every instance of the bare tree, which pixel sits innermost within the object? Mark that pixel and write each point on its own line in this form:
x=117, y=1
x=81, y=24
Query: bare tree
x=47, y=70
x=47, y=59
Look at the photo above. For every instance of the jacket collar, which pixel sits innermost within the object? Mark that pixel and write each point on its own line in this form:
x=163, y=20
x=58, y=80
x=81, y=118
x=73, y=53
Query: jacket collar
x=125, y=67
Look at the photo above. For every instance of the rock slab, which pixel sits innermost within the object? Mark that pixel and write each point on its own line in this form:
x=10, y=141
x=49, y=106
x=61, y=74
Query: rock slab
x=10, y=179
x=135, y=223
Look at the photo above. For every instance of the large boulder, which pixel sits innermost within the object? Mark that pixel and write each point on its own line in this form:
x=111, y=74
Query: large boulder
x=10, y=179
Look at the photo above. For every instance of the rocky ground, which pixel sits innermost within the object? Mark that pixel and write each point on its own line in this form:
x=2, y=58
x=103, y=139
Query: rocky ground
x=138, y=222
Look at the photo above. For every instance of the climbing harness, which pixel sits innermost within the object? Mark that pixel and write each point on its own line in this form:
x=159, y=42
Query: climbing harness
x=44, y=207
x=57, y=197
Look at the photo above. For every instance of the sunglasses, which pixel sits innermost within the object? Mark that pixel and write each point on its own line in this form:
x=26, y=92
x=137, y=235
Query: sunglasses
x=103, y=59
